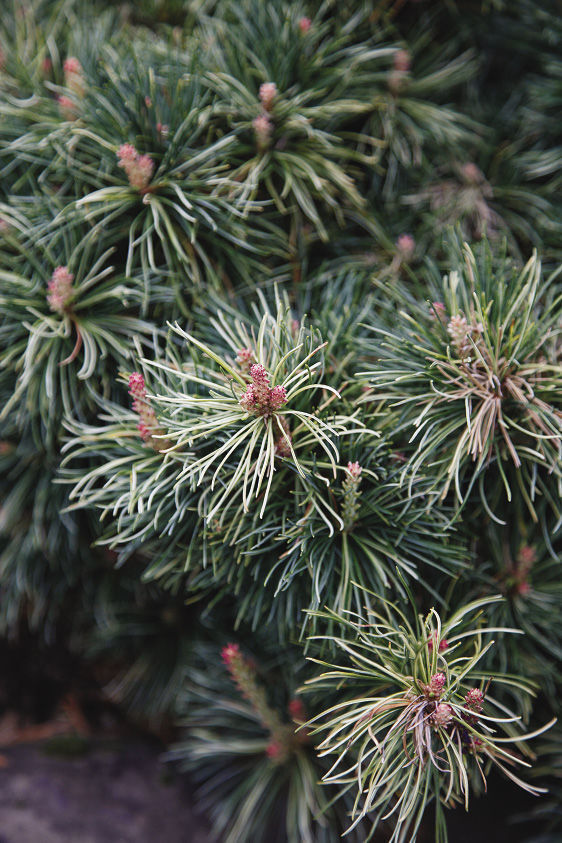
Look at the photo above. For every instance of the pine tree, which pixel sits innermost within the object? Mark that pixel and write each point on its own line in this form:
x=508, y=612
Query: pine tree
x=280, y=379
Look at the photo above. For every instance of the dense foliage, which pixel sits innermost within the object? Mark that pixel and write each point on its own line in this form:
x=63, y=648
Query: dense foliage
x=281, y=379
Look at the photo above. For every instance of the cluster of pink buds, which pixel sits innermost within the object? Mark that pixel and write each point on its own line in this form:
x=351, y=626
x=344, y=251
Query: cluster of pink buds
x=282, y=448
x=304, y=25
x=260, y=399
x=351, y=494
x=443, y=644
x=244, y=359
x=75, y=82
x=139, y=168
x=263, y=125
x=406, y=246
x=148, y=423
x=462, y=332
x=442, y=716
x=60, y=289
x=474, y=700
x=398, y=76
x=435, y=686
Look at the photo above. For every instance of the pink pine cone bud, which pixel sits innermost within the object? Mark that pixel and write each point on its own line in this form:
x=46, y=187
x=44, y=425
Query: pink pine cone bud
x=297, y=710
x=259, y=398
x=139, y=168
x=436, y=685
x=263, y=127
x=274, y=749
x=59, y=289
x=406, y=246
x=527, y=555
x=472, y=174
x=248, y=400
x=230, y=653
x=148, y=423
x=259, y=374
x=443, y=644
x=474, y=699
x=402, y=61
x=458, y=329
x=127, y=153
x=72, y=65
x=304, y=25
x=244, y=358
x=442, y=715
x=277, y=397
x=260, y=384
x=137, y=386
x=74, y=76
x=68, y=108
x=268, y=92
x=354, y=469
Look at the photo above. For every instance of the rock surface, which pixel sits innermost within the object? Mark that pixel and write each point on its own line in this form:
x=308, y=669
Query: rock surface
x=111, y=794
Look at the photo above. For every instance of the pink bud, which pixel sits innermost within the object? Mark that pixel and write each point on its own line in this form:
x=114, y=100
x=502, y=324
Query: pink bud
x=527, y=555
x=443, y=644
x=472, y=174
x=402, y=61
x=442, y=715
x=67, y=107
x=274, y=749
x=268, y=92
x=277, y=397
x=297, y=710
x=304, y=25
x=474, y=699
x=139, y=168
x=59, y=289
x=406, y=246
x=137, y=386
x=436, y=685
x=72, y=65
x=230, y=653
x=127, y=153
x=263, y=127
x=354, y=469
x=259, y=374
